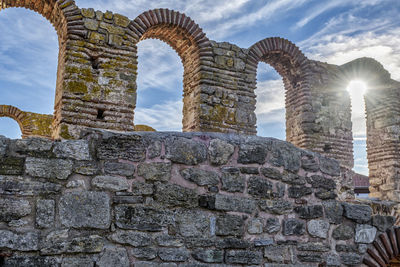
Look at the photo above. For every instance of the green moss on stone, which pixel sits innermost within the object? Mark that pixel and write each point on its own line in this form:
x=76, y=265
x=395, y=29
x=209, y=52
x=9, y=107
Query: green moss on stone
x=76, y=87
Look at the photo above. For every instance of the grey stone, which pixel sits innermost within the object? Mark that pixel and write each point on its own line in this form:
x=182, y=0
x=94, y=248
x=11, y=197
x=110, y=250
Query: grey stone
x=132, y=238
x=231, y=179
x=33, y=146
x=169, y=241
x=209, y=255
x=18, y=223
x=333, y=211
x=346, y=248
x=127, y=199
x=299, y=191
x=28, y=241
x=11, y=185
x=86, y=167
x=13, y=209
x=73, y=149
x=263, y=242
x=131, y=147
x=85, y=209
x=293, y=227
x=144, y=253
x=325, y=194
x=45, y=211
x=229, y=225
x=294, y=179
x=286, y=155
x=172, y=195
x=318, y=181
x=255, y=226
x=350, y=258
x=233, y=203
x=87, y=244
x=154, y=264
x=310, y=257
x=200, y=242
x=3, y=145
x=249, y=170
x=271, y=173
x=253, y=153
x=141, y=218
x=329, y=166
x=234, y=243
x=11, y=166
x=310, y=211
x=195, y=223
x=279, y=254
x=155, y=171
x=318, y=228
x=139, y=188
x=309, y=162
x=343, y=232
x=220, y=151
x=259, y=187
x=383, y=222
x=32, y=261
x=276, y=206
x=112, y=183
x=272, y=225
x=243, y=257
x=332, y=259
x=357, y=213
x=116, y=257
x=200, y=177
x=77, y=261
x=317, y=247
x=154, y=149
x=365, y=233
x=48, y=168
x=173, y=254
x=119, y=168
x=185, y=151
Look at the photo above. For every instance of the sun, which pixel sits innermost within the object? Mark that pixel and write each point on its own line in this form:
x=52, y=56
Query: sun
x=357, y=87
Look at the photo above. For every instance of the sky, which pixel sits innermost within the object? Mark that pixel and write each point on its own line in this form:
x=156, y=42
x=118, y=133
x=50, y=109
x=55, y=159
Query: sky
x=334, y=31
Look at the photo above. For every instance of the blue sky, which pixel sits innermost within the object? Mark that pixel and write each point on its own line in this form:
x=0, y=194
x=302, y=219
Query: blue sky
x=334, y=31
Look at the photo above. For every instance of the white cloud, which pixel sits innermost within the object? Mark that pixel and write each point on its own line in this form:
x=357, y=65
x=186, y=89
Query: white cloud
x=270, y=105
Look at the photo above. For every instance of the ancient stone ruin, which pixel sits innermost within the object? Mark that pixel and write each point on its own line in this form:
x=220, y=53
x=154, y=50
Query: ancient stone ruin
x=215, y=195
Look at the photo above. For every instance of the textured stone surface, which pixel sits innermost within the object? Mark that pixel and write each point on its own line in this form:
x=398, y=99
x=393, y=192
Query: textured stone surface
x=333, y=211
x=119, y=168
x=343, y=232
x=132, y=238
x=358, y=213
x=172, y=195
x=77, y=261
x=276, y=206
x=157, y=171
x=112, y=183
x=383, y=222
x=293, y=227
x=220, y=151
x=10, y=185
x=73, y=149
x=87, y=244
x=48, y=168
x=252, y=153
x=31, y=261
x=186, y=151
x=231, y=203
x=243, y=257
x=114, y=257
x=200, y=177
x=259, y=187
x=45, y=212
x=173, y=254
x=365, y=233
x=13, y=209
x=130, y=148
x=209, y=255
x=11, y=166
x=272, y=225
x=278, y=254
x=229, y=225
x=23, y=242
x=318, y=228
x=231, y=179
x=309, y=212
x=85, y=209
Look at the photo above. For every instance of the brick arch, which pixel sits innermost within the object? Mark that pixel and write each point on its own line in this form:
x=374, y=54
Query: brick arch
x=19, y=116
x=294, y=67
x=189, y=41
x=384, y=250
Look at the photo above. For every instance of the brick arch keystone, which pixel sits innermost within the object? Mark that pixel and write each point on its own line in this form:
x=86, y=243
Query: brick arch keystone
x=295, y=68
x=384, y=249
x=19, y=116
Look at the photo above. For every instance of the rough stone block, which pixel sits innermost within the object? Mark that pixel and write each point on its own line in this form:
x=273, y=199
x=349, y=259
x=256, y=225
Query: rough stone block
x=318, y=181
x=169, y=241
x=229, y=225
x=329, y=166
x=231, y=179
x=45, y=211
x=293, y=227
x=232, y=203
x=156, y=171
x=253, y=153
x=119, y=168
x=31, y=261
x=357, y=213
x=11, y=166
x=310, y=211
x=255, y=226
x=293, y=179
x=220, y=152
x=112, y=183
x=271, y=173
x=365, y=233
x=28, y=241
x=276, y=206
x=130, y=147
x=195, y=223
x=116, y=257
x=13, y=209
x=185, y=151
x=243, y=257
x=259, y=187
x=383, y=222
x=72, y=149
x=86, y=244
x=85, y=210
x=343, y=232
x=286, y=155
x=351, y=259
x=173, y=254
x=299, y=191
x=272, y=225
x=318, y=228
x=48, y=168
x=11, y=185
x=333, y=211
x=209, y=255
x=200, y=177
x=79, y=261
x=172, y=195
x=132, y=238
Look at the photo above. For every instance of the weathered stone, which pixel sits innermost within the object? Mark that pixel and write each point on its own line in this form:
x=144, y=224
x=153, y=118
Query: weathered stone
x=172, y=195
x=200, y=177
x=72, y=149
x=185, y=151
x=310, y=257
x=77, y=261
x=346, y=248
x=325, y=194
x=318, y=228
x=13, y=209
x=276, y=206
x=263, y=242
x=293, y=227
x=10, y=185
x=129, y=198
x=121, y=20
x=318, y=181
x=365, y=233
x=333, y=211
x=195, y=223
x=231, y=179
x=48, y=168
x=87, y=244
x=253, y=153
x=229, y=225
x=45, y=211
x=236, y=243
x=350, y=258
x=332, y=259
x=317, y=247
x=249, y=170
x=155, y=264
x=112, y=183
x=286, y=155
x=4, y=145
x=11, y=166
x=141, y=218
x=139, y=188
x=271, y=173
x=383, y=222
x=220, y=151
x=259, y=187
x=132, y=238
x=85, y=209
x=119, y=168
x=279, y=254
x=299, y=191
x=86, y=167
x=209, y=255
x=357, y=213
x=309, y=212
x=232, y=203
x=309, y=162
x=272, y=225
x=130, y=147
x=28, y=241
x=33, y=261
x=200, y=242
x=154, y=149
x=116, y=257
x=156, y=171
x=343, y=232
x=173, y=254
x=169, y=241
x=293, y=179
x=329, y=166
x=255, y=226
x=144, y=253
x=243, y=257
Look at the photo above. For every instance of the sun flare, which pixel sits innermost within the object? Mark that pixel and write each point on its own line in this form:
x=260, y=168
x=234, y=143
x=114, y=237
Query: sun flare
x=357, y=87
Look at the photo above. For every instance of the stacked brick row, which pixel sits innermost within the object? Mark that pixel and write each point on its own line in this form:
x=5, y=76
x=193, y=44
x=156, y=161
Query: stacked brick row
x=170, y=199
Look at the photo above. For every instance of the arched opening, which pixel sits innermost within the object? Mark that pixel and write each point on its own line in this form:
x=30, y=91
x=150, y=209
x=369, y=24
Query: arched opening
x=10, y=128
x=270, y=108
x=159, y=82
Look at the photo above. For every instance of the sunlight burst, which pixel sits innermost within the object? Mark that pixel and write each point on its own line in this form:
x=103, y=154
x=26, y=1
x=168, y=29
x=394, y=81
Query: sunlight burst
x=357, y=87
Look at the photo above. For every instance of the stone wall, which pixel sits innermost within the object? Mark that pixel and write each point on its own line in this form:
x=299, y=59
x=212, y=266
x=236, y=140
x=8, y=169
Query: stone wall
x=178, y=199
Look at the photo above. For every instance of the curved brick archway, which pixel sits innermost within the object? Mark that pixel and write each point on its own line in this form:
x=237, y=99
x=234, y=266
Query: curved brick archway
x=385, y=250
x=287, y=59
x=19, y=116
x=192, y=45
